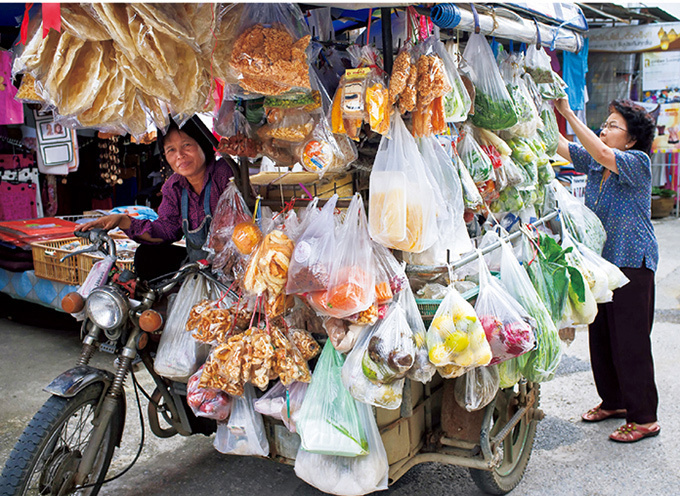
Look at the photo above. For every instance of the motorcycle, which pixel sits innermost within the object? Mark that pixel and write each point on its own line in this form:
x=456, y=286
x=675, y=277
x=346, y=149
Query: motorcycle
x=68, y=446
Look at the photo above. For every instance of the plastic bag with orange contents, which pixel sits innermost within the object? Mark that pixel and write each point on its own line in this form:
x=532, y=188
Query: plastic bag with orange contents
x=351, y=287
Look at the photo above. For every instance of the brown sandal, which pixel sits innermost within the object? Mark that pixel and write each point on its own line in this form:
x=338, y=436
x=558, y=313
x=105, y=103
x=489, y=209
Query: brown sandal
x=598, y=414
x=632, y=432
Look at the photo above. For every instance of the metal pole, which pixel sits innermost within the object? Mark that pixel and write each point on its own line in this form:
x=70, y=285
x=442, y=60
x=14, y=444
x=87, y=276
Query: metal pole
x=386, y=18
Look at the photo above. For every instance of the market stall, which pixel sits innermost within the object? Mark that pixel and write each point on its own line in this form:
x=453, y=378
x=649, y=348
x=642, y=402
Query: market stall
x=399, y=256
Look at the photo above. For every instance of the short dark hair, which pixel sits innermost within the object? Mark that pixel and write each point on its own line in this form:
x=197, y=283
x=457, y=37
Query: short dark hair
x=191, y=129
x=641, y=125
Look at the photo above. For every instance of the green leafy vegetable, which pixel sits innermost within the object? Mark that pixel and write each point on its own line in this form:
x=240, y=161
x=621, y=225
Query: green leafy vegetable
x=493, y=114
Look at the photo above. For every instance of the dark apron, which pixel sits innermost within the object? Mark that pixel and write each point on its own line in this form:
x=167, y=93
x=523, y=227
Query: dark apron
x=196, y=239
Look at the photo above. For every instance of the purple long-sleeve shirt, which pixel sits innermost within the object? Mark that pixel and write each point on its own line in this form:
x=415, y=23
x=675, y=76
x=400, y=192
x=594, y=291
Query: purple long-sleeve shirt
x=168, y=226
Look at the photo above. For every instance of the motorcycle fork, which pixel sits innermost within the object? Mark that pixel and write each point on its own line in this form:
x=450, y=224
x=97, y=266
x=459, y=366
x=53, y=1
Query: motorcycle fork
x=107, y=407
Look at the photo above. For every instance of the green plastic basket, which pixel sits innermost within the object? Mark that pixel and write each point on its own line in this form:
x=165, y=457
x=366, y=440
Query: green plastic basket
x=428, y=308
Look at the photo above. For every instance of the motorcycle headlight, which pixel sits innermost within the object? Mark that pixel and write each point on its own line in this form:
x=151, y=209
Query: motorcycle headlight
x=107, y=307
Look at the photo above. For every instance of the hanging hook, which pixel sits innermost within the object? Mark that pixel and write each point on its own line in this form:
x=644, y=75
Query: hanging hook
x=538, y=34
x=476, y=16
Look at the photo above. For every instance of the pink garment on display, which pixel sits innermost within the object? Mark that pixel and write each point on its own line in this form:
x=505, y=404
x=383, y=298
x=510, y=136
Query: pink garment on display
x=17, y=201
x=11, y=110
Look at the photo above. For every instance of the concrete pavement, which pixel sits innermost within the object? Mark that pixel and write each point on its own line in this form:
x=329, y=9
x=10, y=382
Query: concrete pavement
x=569, y=458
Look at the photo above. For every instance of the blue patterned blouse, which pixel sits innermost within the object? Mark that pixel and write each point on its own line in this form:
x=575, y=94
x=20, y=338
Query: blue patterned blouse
x=623, y=204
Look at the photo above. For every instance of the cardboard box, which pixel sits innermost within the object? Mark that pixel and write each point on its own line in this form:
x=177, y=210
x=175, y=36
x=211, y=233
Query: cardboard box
x=396, y=441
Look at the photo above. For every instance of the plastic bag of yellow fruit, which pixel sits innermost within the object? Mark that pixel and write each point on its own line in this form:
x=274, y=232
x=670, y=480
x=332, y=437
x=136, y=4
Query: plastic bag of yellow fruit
x=455, y=340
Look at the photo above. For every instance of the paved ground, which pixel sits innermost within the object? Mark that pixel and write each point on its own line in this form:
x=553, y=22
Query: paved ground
x=569, y=458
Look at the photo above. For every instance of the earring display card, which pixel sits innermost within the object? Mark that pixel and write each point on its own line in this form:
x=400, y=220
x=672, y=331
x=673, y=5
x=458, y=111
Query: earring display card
x=17, y=201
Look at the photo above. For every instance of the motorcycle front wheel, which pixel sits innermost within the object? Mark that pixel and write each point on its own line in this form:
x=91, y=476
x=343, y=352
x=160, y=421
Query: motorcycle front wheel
x=50, y=448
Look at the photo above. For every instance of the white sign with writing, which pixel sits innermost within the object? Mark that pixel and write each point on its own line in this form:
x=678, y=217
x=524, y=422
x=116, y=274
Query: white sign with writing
x=640, y=38
x=660, y=70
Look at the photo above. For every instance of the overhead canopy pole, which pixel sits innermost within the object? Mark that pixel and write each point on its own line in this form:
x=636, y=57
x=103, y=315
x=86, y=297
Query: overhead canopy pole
x=504, y=23
x=386, y=18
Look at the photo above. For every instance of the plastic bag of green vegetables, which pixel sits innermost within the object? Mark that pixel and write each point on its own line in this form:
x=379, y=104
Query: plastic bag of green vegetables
x=509, y=373
x=595, y=276
x=509, y=200
x=552, y=276
x=457, y=102
x=471, y=196
x=493, y=106
x=581, y=222
x=545, y=170
x=537, y=64
x=527, y=115
x=550, y=132
x=540, y=364
x=479, y=164
x=328, y=421
x=524, y=156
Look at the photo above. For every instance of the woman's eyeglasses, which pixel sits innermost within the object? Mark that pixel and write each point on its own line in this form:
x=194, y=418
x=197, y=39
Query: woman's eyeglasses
x=609, y=125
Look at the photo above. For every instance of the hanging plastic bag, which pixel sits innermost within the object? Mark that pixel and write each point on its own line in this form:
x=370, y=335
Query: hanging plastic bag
x=477, y=388
x=479, y=165
x=455, y=336
x=540, y=364
x=328, y=421
x=270, y=54
x=509, y=373
x=595, y=276
x=207, y=402
x=244, y=433
x=351, y=287
x=227, y=257
x=282, y=402
x=509, y=329
x=355, y=376
x=423, y=369
x=314, y=254
x=453, y=234
x=581, y=222
x=238, y=139
x=527, y=115
x=402, y=206
x=471, y=195
x=615, y=277
x=457, y=102
x=348, y=476
x=179, y=355
x=537, y=64
x=494, y=109
x=550, y=132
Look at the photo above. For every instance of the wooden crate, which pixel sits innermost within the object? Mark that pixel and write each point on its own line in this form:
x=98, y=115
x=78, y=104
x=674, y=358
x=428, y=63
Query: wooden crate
x=47, y=264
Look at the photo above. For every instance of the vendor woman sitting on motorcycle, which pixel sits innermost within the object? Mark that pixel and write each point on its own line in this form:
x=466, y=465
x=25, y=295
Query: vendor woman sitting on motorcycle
x=190, y=197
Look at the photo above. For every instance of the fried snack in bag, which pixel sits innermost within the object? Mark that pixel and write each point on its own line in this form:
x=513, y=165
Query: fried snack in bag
x=270, y=54
x=328, y=421
x=78, y=21
x=494, y=109
x=509, y=329
x=244, y=433
x=403, y=204
x=351, y=288
x=455, y=336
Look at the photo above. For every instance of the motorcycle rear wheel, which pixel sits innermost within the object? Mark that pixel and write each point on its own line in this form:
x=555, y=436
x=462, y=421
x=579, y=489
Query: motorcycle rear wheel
x=52, y=444
x=515, y=449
